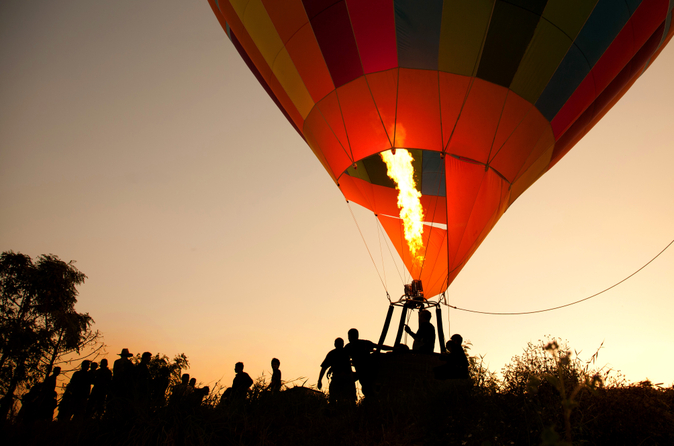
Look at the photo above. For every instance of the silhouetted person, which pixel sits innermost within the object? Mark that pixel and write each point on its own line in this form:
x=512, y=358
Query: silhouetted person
x=47, y=402
x=122, y=374
x=424, y=338
x=74, y=401
x=275, y=384
x=201, y=393
x=196, y=398
x=462, y=360
x=191, y=388
x=30, y=404
x=102, y=379
x=360, y=351
x=195, y=394
x=141, y=382
x=456, y=362
x=121, y=390
x=181, y=391
x=241, y=383
x=338, y=365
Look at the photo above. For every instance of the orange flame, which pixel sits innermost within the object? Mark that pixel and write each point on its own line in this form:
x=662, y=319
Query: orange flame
x=400, y=170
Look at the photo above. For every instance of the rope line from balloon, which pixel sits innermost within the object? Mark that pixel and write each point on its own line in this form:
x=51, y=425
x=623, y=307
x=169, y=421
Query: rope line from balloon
x=366, y=247
x=381, y=232
x=520, y=313
x=381, y=249
x=380, y=229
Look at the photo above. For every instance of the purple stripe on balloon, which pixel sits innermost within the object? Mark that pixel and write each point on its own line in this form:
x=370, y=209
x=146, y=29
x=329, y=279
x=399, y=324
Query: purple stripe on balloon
x=334, y=34
x=315, y=7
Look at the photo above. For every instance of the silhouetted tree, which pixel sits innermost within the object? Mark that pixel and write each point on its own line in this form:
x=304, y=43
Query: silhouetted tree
x=38, y=321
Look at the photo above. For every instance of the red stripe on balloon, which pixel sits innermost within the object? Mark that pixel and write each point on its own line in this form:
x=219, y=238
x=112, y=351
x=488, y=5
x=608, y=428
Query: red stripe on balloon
x=373, y=24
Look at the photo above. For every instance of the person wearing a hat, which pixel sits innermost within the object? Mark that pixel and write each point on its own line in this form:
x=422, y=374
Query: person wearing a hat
x=123, y=364
x=122, y=375
x=125, y=353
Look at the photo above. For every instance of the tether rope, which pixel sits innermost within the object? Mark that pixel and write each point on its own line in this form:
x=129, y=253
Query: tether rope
x=348, y=204
x=565, y=305
x=381, y=231
x=381, y=249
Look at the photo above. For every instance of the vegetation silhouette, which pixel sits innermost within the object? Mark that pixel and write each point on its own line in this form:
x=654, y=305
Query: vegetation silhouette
x=39, y=327
x=546, y=395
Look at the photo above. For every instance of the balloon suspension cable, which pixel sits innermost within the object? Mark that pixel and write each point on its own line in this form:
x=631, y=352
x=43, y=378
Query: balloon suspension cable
x=413, y=299
x=388, y=247
x=521, y=313
x=366, y=247
x=442, y=299
x=381, y=251
x=445, y=301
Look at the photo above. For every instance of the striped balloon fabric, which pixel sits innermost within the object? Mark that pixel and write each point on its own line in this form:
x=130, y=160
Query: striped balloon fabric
x=487, y=95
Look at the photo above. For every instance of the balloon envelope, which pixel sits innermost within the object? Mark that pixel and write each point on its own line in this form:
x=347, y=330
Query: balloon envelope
x=487, y=95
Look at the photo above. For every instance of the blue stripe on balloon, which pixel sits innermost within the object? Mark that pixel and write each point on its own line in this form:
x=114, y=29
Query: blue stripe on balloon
x=632, y=5
x=668, y=24
x=563, y=83
x=668, y=21
x=418, y=26
x=606, y=21
x=433, y=174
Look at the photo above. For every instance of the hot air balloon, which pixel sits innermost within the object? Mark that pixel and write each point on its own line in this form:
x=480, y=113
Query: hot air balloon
x=482, y=96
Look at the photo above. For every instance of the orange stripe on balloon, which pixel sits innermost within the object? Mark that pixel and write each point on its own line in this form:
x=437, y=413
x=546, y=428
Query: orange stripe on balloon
x=306, y=55
x=418, y=114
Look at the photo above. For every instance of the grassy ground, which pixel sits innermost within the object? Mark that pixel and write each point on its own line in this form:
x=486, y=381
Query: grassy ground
x=546, y=396
x=627, y=415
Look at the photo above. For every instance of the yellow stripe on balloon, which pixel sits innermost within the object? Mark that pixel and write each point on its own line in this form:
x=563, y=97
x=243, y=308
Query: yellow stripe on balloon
x=263, y=32
x=292, y=83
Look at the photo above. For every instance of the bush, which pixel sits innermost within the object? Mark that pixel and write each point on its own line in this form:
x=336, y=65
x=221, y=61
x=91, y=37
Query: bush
x=548, y=396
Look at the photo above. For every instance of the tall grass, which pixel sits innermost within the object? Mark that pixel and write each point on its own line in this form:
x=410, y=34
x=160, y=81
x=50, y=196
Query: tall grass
x=547, y=395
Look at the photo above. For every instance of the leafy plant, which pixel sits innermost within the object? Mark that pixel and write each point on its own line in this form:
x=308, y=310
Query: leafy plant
x=38, y=322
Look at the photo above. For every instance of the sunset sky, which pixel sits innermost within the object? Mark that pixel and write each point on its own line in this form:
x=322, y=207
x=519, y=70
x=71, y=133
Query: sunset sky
x=135, y=141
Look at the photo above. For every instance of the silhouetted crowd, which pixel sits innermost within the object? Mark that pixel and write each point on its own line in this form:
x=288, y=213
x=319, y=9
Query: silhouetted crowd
x=357, y=361
x=128, y=389
x=95, y=391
